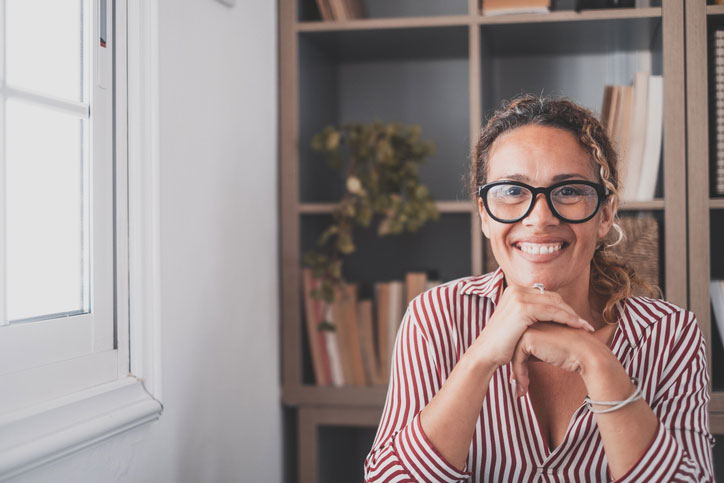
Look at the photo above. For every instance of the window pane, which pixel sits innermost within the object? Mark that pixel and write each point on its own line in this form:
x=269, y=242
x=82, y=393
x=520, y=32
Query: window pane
x=44, y=46
x=47, y=221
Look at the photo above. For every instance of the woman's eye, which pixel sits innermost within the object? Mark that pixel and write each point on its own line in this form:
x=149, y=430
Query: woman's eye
x=569, y=192
x=513, y=191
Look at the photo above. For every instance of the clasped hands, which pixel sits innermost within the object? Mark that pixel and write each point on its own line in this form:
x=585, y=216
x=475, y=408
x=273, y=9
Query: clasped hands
x=528, y=323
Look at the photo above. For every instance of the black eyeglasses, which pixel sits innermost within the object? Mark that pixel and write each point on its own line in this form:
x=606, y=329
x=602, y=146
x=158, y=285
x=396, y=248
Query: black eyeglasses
x=570, y=201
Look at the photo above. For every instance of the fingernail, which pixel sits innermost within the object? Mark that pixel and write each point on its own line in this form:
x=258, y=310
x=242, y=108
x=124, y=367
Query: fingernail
x=514, y=383
x=587, y=326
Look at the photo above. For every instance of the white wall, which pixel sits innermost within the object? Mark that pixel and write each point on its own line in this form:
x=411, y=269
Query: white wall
x=219, y=262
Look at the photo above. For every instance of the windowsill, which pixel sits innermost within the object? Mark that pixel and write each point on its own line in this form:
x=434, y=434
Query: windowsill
x=35, y=436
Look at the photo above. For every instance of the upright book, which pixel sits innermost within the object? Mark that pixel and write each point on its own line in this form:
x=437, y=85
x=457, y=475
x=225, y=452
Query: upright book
x=652, y=144
x=314, y=313
x=345, y=321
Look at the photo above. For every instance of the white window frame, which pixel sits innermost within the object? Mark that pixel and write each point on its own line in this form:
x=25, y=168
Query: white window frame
x=83, y=344
x=51, y=428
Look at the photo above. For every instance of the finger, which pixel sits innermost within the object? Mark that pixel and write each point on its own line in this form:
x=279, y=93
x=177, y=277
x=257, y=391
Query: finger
x=552, y=298
x=519, y=367
x=554, y=313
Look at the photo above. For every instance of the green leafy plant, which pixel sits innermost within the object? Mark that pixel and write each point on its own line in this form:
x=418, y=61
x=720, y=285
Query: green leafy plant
x=381, y=163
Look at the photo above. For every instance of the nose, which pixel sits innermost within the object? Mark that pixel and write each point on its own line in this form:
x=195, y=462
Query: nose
x=540, y=214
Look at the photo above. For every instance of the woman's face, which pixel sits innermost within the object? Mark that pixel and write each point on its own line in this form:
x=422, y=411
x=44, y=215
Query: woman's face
x=540, y=156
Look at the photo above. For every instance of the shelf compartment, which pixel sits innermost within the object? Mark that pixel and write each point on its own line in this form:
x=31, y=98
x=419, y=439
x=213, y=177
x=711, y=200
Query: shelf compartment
x=342, y=451
x=333, y=442
x=382, y=9
x=441, y=246
x=592, y=55
x=430, y=89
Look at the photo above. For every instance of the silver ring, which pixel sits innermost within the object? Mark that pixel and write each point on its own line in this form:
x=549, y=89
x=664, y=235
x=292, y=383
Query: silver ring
x=539, y=286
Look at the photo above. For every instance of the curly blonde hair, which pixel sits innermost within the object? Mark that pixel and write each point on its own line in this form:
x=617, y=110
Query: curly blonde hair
x=611, y=276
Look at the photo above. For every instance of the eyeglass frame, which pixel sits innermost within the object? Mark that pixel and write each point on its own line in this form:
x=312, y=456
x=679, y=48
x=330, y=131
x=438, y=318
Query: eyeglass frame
x=602, y=192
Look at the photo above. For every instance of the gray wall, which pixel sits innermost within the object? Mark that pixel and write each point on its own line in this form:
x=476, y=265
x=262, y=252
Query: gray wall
x=219, y=260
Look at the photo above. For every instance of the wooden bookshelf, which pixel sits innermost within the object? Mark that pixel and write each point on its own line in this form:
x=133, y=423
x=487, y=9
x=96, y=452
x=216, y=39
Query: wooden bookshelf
x=705, y=235
x=445, y=66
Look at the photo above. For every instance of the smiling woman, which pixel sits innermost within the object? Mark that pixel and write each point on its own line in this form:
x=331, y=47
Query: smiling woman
x=550, y=367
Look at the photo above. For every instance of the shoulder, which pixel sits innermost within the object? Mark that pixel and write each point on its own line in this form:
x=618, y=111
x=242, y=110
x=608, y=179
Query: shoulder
x=643, y=317
x=440, y=305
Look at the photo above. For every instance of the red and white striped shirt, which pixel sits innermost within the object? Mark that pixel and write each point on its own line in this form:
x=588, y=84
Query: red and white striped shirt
x=656, y=342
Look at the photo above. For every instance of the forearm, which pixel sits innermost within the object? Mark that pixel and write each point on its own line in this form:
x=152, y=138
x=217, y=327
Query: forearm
x=627, y=432
x=449, y=419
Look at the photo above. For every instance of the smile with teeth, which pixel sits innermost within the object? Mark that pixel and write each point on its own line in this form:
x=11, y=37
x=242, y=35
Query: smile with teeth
x=540, y=248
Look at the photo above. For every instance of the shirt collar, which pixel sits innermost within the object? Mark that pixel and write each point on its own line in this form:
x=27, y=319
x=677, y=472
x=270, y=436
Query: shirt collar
x=638, y=314
x=489, y=285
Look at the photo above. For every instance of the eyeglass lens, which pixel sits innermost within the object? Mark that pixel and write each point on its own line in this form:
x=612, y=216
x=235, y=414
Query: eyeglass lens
x=572, y=201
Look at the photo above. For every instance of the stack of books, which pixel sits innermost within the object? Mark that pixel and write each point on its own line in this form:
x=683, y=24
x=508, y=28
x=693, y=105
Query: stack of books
x=357, y=349
x=633, y=116
x=341, y=9
x=719, y=89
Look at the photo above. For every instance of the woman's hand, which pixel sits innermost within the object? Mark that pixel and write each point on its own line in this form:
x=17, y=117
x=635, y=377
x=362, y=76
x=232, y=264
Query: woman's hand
x=519, y=309
x=559, y=346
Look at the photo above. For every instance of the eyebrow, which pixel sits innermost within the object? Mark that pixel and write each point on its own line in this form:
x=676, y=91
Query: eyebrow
x=556, y=178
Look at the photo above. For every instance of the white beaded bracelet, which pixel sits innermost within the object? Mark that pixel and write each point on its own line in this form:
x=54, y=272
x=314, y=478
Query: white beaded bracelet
x=615, y=405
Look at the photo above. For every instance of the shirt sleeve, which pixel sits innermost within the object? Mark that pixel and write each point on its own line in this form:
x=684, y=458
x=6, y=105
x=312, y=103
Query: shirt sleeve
x=401, y=451
x=681, y=449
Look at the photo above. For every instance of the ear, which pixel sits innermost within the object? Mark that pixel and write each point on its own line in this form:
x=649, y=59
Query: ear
x=484, y=218
x=606, y=217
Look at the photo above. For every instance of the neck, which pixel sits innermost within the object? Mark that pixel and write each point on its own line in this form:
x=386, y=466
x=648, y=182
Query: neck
x=583, y=301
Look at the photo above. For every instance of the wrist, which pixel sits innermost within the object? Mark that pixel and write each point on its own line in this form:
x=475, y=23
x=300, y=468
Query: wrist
x=602, y=374
x=477, y=360
x=594, y=358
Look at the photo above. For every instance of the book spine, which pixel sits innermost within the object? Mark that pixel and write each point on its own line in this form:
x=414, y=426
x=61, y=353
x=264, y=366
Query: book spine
x=335, y=357
x=317, y=343
x=654, y=133
x=341, y=328
x=351, y=322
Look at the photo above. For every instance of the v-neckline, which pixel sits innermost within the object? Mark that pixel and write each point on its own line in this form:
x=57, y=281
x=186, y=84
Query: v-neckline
x=541, y=440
